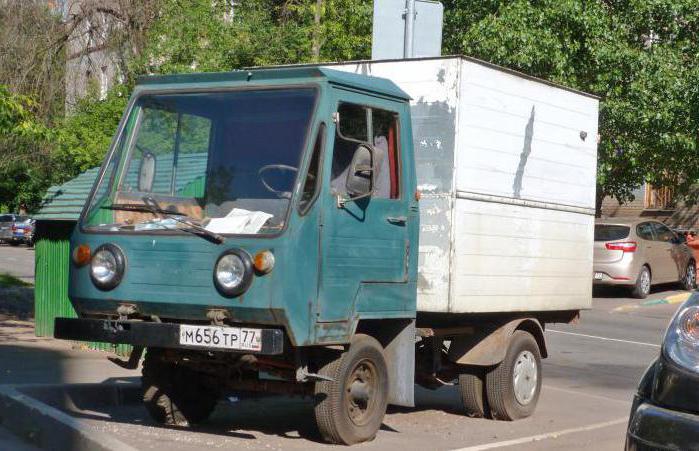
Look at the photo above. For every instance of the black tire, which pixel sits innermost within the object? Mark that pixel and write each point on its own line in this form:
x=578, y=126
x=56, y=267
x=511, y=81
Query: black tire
x=641, y=288
x=14, y=243
x=503, y=402
x=471, y=387
x=175, y=396
x=345, y=416
x=689, y=277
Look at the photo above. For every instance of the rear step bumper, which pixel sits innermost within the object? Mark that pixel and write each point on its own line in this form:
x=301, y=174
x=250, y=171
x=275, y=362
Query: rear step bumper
x=157, y=335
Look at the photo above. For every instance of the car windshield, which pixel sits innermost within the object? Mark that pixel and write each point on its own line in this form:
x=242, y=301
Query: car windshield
x=226, y=161
x=605, y=232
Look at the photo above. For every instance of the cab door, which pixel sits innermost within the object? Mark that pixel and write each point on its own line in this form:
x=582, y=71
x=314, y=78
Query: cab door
x=364, y=242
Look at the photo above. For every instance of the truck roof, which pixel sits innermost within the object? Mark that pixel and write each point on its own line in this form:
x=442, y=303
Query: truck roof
x=358, y=81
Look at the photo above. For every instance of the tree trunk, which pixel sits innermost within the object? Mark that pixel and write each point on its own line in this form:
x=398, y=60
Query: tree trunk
x=599, y=197
x=316, y=31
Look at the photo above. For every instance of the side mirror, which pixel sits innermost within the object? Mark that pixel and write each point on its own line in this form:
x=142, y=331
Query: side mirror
x=362, y=173
x=146, y=173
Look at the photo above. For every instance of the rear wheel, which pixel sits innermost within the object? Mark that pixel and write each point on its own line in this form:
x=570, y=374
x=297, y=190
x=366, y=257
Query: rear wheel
x=471, y=387
x=641, y=288
x=514, y=385
x=173, y=395
x=689, y=280
x=350, y=408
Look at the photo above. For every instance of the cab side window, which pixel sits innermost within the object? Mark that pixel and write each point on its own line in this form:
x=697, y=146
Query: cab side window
x=311, y=186
x=358, y=122
x=663, y=233
x=645, y=231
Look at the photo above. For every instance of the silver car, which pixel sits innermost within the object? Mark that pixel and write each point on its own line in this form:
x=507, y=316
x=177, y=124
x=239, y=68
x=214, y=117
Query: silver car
x=638, y=253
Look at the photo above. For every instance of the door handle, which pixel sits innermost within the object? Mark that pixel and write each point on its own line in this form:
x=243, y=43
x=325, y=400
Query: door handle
x=397, y=219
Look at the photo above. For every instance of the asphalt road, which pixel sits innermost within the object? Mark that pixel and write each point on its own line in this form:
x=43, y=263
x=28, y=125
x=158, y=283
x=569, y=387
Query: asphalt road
x=17, y=261
x=589, y=379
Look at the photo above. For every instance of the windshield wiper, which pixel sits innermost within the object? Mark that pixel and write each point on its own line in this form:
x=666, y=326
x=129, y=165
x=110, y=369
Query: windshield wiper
x=194, y=228
x=151, y=205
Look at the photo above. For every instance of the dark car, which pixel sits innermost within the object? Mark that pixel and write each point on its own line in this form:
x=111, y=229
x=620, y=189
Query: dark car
x=665, y=410
x=16, y=229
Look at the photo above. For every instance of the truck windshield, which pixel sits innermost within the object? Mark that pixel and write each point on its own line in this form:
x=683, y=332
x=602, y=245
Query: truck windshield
x=226, y=161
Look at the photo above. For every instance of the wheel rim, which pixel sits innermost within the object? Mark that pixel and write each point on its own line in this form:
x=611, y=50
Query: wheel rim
x=525, y=376
x=691, y=276
x=645, y=281
x=360, y=390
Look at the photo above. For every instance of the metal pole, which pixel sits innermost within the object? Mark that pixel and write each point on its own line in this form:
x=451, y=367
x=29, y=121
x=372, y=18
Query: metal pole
x=409, y=28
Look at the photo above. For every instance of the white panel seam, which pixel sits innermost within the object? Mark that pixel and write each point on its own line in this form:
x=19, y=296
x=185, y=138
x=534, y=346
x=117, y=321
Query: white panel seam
x=524, y=203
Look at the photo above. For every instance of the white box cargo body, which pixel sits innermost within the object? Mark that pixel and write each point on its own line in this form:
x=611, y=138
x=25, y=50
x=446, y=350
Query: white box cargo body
x=506, y=167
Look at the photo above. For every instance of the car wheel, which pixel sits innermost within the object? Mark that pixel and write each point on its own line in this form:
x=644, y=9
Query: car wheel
x=689, y=280
x=350, y=405
x=513, y=387
x=641, y=288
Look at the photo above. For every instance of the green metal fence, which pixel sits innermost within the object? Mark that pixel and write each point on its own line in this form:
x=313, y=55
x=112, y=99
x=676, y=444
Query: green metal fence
x=52, y=260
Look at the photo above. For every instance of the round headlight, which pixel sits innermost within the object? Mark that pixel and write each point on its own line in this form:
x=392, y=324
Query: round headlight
x=233, y=272
x=107, y=266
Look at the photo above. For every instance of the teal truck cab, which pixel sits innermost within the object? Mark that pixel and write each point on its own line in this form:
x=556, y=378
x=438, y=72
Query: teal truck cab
x=259, y=231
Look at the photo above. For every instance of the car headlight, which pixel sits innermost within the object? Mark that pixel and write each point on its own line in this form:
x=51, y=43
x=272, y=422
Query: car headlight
x=233, y=272
x=681, y=342
x=107, y=266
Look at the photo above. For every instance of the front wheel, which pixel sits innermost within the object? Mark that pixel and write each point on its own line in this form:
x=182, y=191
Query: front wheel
x=689, y=280
x=173, y=395
x=513, y=387
x=641, y=288
x=351, y=406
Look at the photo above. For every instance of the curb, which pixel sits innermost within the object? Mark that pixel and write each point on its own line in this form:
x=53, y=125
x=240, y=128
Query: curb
x=47, y=427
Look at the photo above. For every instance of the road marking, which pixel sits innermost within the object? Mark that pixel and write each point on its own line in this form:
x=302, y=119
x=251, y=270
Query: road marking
x=539, y=437
x=604, y=338
x=588, y=395
x=673, y=299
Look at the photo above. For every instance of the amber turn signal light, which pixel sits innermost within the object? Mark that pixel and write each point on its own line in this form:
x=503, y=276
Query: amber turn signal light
x=263, y=262
x=81, y=255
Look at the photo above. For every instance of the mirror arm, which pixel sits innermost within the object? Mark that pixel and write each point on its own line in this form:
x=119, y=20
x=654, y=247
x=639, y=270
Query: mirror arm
x=341, y=201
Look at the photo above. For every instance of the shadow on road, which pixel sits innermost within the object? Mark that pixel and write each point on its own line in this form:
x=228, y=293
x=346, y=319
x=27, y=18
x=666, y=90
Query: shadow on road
x=600, y=291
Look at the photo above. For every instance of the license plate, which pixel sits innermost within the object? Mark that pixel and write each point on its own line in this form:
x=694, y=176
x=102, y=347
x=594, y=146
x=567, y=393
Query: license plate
x=599, y=276
x=239, y=338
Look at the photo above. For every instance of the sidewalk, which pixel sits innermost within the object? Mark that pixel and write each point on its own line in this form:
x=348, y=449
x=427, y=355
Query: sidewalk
x=26, y=359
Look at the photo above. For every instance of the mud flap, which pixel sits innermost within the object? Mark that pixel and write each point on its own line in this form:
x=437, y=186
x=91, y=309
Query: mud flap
x=400, y=360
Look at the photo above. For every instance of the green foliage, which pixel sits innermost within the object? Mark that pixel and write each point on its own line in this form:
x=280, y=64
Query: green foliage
x=23, y=152
x=637, y=55
x=200, y=36
x=7, y=280
x=81, y=139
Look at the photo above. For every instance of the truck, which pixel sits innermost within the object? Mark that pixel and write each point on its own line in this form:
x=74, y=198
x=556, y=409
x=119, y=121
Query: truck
x=341, y=232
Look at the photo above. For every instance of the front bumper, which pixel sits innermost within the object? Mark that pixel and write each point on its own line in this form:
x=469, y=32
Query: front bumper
x=157, y=335
x=656, y=428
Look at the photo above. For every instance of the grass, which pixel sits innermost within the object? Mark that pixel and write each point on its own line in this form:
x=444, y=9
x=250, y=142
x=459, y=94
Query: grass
x=7, y=281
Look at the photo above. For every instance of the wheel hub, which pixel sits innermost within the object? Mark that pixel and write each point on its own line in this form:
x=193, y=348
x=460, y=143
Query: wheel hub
x=359, y=392
x=525, y=377
x=645, y=282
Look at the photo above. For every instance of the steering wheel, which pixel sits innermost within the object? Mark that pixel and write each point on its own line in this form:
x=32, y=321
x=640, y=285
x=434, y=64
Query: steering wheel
x=279, y=167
